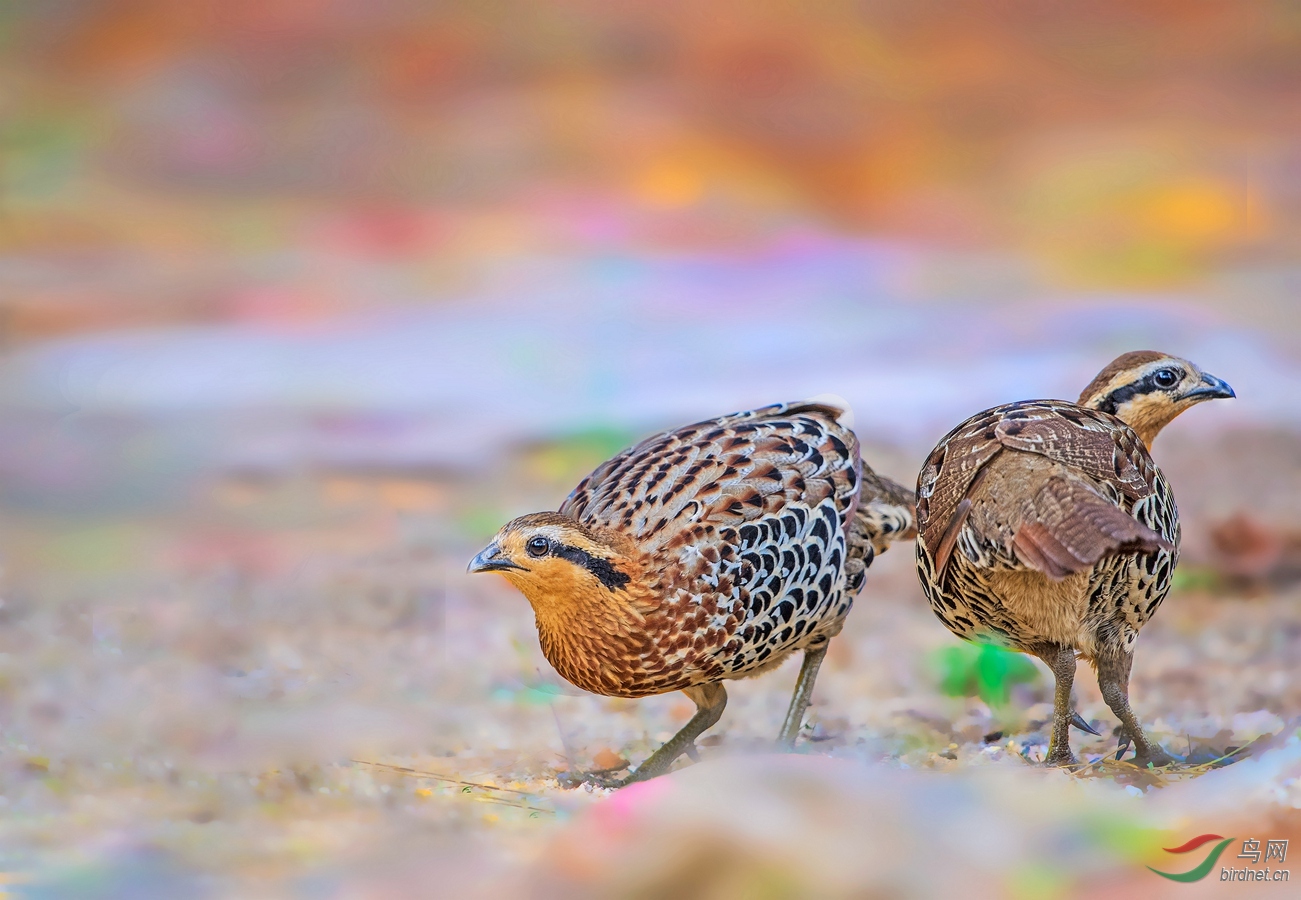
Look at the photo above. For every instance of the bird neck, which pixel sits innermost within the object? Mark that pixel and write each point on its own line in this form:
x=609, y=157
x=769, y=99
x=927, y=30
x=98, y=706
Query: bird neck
x=560, y=610
x=1146, y=431
x=589, y=632
x=1147, y=416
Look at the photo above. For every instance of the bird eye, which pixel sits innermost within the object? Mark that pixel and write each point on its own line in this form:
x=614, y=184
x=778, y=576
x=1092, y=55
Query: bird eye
x=538, y=546
x=1165, y=378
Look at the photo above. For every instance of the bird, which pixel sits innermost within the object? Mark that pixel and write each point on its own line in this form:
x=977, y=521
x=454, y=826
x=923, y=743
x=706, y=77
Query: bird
x=1046, y=527
x=703, y=554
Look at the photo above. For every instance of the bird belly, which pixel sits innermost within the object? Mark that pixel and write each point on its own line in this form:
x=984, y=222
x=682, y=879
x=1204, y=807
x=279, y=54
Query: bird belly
x=1043, y=611
x=1018, y=609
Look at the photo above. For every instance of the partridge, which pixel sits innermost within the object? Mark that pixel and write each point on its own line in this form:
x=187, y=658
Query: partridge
x=704, y=554
x=1045, y=527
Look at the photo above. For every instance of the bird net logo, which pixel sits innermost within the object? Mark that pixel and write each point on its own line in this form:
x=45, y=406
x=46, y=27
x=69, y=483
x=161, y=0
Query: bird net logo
x=1255, y=866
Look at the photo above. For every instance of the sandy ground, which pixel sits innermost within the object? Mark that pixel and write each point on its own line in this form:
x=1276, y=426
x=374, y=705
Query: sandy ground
x=291, y=689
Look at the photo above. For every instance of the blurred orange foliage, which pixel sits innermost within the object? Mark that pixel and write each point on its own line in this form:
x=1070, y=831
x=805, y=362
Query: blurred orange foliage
x=1120, y=142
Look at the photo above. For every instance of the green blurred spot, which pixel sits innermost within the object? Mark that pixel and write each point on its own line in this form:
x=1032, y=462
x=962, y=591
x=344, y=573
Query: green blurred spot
x=569, y=457
x=1037, y=881
x=1195, y=579
x=538, y=695
x=481, y=522
x=529, y=695
x=1127, y=839
x=1141, y=262
x=93, y=550
x=982, y=670
x=40, y=151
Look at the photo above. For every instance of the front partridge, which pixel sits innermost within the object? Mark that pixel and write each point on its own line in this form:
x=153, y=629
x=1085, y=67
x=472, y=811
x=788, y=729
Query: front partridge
x=703, y=554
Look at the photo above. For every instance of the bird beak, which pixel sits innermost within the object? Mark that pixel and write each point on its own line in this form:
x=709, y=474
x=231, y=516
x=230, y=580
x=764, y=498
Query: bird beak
x=1211, y=388
x=491, y=560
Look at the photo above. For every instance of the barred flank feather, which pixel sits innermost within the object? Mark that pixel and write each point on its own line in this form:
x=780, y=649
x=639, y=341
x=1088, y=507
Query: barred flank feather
x=752, y=532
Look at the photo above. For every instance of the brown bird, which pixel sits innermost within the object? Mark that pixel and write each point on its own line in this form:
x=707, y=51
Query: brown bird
x=702, y=554
x=1045, y=527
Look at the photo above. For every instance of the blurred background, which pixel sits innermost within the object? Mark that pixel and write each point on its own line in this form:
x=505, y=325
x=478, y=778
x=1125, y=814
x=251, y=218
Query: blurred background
x=301, y=299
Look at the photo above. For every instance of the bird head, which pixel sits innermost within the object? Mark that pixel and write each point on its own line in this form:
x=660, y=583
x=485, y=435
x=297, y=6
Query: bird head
x=551, y=558
x=1146, y=390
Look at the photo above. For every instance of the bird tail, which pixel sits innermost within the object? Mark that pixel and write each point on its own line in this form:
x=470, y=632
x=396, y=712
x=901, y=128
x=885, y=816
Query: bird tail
x=887, y=512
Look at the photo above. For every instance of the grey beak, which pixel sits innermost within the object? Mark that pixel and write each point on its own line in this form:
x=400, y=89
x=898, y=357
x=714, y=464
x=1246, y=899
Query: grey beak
x=1212, y=388
x=491, y=560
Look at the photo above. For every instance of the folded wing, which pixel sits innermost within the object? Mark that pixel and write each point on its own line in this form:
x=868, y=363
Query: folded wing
x=1069, y=524
x=1069, y=527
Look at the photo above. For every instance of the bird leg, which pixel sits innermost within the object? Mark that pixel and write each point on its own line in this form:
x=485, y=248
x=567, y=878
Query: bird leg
x=1062, y=661
x=710, y=699
x=1113, y=679
x=803, y=694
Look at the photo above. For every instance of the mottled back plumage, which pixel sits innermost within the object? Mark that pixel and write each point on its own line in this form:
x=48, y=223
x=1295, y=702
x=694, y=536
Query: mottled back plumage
x=752, y=533
x=1046, y=487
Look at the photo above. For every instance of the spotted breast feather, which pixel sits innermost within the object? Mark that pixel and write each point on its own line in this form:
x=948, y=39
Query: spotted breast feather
x=747, y=526
x=702, y=554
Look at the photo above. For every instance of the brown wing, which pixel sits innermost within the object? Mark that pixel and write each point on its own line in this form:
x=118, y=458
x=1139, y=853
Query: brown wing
x=1069, y=526
x=948, y=473
x=1072, y=525
x=726, y=471
x=1083, y=440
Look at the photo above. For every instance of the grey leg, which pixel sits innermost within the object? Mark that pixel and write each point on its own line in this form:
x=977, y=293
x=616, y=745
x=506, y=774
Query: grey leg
x=710, y=699
x=803, y=694
x=1113, y=679
x=1062, y=661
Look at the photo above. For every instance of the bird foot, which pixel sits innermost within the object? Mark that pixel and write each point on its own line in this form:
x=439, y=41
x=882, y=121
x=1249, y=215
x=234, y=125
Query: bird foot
x=1153, y=756
x=1061, y=756
x=604, y=778
x=1079, y=722
x=1156, y=758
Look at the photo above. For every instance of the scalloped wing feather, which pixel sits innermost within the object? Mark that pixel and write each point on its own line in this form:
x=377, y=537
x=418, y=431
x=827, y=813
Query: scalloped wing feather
x=1094, y=444
x=752, y=537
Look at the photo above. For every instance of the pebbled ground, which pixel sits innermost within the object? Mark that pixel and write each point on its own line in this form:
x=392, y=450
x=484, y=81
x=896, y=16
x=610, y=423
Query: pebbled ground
x=291, y=689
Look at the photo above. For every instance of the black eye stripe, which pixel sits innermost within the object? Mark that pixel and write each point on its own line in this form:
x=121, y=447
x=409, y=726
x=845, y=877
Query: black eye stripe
x=603, y=569
x=1146, y=385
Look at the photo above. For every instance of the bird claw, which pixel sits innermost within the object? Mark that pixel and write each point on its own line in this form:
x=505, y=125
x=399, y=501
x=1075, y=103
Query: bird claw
x=604, y=778
x=1157, y=759
x=1146, y=754
x=596, y=779
x=1078, y=721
